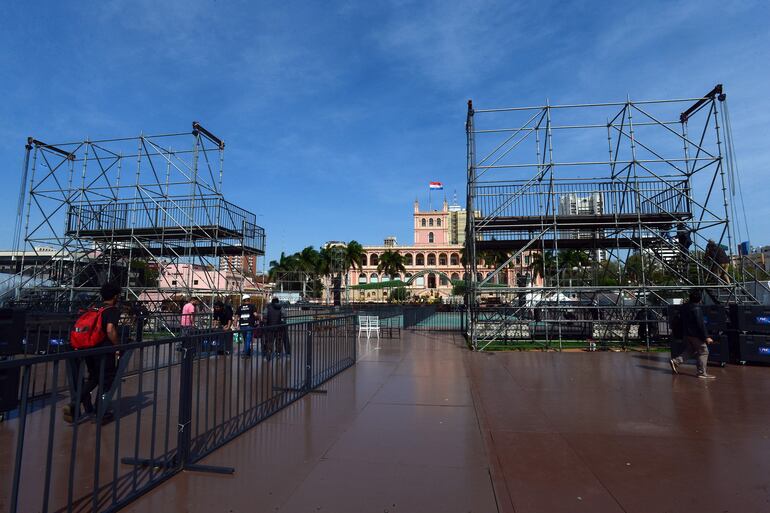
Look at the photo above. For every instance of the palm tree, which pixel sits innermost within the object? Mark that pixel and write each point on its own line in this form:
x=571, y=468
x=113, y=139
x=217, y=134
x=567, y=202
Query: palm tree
x=354, y=255
x=354, y=258
x=279, y=269
x=391, y=264
x=494, y=258
x=542, y=264
x=307, y=266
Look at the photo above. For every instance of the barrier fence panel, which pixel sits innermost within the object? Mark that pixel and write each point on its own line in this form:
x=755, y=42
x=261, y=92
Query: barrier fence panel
x=172, y=401
x=433, y=318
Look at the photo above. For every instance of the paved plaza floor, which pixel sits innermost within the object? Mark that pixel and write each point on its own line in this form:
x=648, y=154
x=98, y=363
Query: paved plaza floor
x=421, y=424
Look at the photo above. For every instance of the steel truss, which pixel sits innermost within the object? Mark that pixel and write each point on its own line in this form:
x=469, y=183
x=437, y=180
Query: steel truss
x=122, y=209
x=617, y=182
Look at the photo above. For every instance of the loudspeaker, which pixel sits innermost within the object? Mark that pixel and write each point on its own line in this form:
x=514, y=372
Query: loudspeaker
x=9, y=389
x=716, y=318
x=12, y=323
x=751, y=347
x=750, y=318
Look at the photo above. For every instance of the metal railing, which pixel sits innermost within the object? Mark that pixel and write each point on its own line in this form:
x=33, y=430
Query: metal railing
x=159, y=408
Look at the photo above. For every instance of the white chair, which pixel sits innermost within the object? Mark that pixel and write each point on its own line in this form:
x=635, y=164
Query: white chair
x=374, y=326
x=363, y=325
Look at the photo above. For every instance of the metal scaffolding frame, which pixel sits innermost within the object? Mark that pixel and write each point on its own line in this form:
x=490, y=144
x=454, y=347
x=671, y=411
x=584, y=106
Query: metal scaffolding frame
x=619, y=182
x=104, y=210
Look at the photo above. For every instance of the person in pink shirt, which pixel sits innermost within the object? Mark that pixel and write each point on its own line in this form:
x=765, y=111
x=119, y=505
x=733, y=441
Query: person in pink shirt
x=188, y=314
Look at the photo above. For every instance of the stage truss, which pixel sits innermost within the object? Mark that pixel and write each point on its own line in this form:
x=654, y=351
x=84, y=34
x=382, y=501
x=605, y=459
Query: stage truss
x=145, y=212
x=613, y=190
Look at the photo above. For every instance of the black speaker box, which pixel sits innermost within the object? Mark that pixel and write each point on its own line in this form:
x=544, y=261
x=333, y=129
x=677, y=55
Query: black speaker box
x=751, y=347
x=12, y=324
x=750, y=318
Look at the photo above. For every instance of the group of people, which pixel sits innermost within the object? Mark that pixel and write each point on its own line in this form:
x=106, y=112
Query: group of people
x=267, y=327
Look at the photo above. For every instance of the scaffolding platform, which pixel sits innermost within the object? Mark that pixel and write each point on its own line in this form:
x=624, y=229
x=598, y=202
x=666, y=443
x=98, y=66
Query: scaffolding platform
x=102, y=210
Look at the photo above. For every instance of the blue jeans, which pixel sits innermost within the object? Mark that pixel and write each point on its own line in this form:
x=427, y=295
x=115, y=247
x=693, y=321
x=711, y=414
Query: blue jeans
x=247, y=332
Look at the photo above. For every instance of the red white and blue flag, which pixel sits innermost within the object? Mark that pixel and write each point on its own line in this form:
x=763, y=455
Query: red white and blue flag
x=436, y=186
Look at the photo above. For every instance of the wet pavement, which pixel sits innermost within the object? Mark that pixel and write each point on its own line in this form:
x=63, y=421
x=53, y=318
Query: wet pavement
x=617, y=432
x=396, y=433
x=421, y=424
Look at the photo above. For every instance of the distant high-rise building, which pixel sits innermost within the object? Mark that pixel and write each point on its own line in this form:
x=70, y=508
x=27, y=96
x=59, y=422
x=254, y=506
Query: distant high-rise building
x=246, y=264
x=574, y=204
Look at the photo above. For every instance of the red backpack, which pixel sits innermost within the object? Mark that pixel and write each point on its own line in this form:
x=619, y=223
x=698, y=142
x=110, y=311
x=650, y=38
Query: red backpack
x=88, y=330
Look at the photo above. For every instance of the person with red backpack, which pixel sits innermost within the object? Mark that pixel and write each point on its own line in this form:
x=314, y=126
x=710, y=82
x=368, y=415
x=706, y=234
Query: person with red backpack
x=97, y=327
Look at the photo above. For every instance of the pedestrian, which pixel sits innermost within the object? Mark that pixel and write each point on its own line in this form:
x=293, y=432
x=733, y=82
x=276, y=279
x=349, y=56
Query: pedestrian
x=104, y=365
x=274, y=332
x=695, y=336
x=188, y=315
x=718, y=261
x=223, y=319
x=684, y=241
x=247, y=320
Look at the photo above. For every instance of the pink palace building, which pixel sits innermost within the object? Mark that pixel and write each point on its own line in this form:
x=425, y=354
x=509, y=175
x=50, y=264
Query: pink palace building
x=432, y=262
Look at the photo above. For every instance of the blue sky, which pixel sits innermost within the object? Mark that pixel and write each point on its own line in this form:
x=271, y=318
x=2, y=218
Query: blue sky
x=338, y=114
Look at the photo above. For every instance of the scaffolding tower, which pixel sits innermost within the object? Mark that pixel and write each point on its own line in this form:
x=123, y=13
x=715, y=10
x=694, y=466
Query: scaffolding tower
x=145, y=212
x=616, y=204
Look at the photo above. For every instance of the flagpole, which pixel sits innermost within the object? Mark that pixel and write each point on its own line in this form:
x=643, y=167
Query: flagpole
x=430, y=198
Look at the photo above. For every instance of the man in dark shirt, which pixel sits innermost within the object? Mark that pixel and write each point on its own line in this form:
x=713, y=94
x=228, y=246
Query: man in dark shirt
x=695, y=335
x=718, y=261
x=110, y=316
x=274, y=331
x=247, y=320
x=223, y=319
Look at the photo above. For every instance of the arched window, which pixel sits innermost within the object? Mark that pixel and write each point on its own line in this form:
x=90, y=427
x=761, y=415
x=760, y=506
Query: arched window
x=407, y=276
x=423, y=222
x=454, y=259
x=361, y=279
x=430, y=237
x=420, y=281
x=431, y=259
x=438, y=222
x=420, y=259
x=408, y=259
x=465, y=276
x=374, y=278
x=443, y=280
x=374, y=259
x=455, y=276
x=430, y=222
x=442, y=259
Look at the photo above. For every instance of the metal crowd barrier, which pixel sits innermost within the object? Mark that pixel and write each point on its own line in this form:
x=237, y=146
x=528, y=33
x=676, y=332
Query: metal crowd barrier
x=172, y=402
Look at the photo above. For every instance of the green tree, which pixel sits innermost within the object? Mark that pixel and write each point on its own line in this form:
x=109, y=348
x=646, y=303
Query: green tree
x=354, y=255
x=543, y=264
x=399, y=294
x=281, y=271
x=391, y=264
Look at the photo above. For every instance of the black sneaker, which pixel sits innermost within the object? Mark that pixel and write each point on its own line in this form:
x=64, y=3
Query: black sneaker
x=674, y=366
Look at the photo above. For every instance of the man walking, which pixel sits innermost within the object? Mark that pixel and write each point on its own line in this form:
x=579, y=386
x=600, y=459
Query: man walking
x=695, y=336
x=110, y=315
